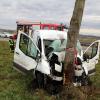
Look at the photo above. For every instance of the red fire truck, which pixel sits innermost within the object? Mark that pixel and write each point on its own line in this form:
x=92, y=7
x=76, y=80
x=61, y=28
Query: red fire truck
x=27, y=26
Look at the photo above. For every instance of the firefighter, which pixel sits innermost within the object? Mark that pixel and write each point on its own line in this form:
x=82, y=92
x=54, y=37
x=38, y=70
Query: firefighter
x=11, y=44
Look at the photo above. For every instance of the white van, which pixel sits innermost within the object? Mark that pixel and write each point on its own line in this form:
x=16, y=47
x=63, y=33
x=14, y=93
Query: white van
x=43, y=53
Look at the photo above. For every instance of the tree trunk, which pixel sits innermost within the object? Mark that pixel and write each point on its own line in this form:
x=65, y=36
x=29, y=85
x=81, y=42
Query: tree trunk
x=73, y=34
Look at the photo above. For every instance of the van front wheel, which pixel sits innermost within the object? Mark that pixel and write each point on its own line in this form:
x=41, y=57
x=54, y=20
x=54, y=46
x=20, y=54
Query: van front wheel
x=40, y=79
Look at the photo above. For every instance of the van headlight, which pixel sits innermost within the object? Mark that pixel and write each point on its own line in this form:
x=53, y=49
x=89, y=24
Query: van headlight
x=78, y=70
x=58, y=68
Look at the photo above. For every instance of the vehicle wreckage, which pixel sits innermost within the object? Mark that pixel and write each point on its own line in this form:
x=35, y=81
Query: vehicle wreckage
x=43, y=51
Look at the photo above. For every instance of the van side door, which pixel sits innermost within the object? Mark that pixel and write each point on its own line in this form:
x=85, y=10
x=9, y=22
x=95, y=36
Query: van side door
x=25, y=55
x=91, y=57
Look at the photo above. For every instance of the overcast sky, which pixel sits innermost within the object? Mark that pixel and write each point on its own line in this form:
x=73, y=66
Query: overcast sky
x=49, y=10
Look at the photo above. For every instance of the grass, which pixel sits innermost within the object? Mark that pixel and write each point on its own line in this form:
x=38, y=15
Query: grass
x=15, y=86
x=87, y=39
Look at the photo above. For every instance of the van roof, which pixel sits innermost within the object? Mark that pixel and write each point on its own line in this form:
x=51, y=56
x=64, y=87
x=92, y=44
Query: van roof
x=52, y=34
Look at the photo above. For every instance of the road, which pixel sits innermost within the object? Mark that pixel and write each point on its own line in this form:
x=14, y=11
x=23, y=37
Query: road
x=4, y=39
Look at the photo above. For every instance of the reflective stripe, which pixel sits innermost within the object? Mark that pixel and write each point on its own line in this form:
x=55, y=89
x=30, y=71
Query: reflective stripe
x=56, y=78
x=58, y=68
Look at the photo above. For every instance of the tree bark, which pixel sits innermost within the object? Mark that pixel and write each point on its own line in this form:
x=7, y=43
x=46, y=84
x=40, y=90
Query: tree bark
x=72, y=36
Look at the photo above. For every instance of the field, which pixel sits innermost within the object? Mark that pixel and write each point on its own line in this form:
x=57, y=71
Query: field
x=15, y=86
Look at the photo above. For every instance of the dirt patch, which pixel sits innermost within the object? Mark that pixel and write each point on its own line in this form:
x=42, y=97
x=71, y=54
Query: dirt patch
x=2, y=77
x=78, y=93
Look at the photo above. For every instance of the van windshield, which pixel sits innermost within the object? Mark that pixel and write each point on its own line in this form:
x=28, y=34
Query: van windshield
x=58, y=45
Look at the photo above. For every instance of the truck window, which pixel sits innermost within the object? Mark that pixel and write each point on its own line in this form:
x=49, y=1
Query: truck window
x=57, y=45
x=23, y=43
x=92, y=51
x=27, y=46
x=46, y=27
x=79, y=48
x=60, y=45
x=39, y=45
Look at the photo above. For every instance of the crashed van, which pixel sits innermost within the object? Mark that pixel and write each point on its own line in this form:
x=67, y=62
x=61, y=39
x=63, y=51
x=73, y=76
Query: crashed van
x=43, y=53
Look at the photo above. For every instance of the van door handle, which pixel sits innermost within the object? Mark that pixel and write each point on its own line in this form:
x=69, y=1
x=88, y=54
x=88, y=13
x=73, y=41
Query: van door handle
x=17, y=53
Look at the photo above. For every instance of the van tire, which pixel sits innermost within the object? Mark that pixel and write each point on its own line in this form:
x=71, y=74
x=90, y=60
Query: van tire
x=53, y=87
x=40, y=79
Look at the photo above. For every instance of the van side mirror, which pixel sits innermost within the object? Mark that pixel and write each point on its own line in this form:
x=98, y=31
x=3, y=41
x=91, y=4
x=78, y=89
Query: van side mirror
x=38, y=56
x=48, y=50
x=86, y=57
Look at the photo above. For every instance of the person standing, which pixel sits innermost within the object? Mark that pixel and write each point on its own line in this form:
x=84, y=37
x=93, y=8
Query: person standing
x=11, y=44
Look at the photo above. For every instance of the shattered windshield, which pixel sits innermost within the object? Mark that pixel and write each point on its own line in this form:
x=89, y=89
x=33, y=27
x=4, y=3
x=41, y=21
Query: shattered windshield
x=54, y=45
x=58, y=45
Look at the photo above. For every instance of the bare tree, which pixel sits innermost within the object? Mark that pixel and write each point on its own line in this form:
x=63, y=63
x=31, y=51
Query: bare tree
x=73, y=34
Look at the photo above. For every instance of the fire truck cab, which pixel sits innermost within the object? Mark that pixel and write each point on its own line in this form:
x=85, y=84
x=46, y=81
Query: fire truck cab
x=27, y=26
